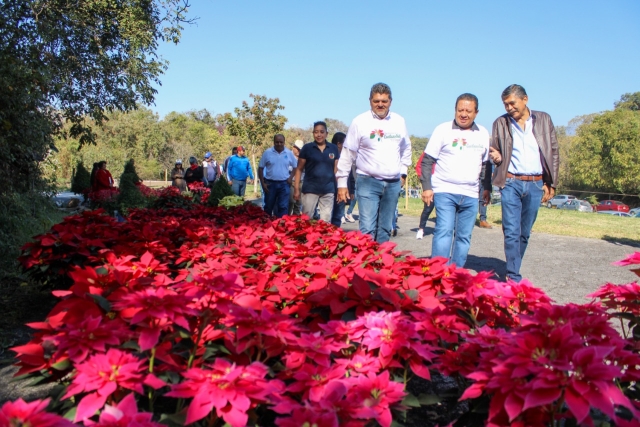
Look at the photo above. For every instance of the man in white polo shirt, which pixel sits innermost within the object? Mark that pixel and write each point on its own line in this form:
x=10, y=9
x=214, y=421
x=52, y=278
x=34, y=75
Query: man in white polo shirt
x=459, y=149
x=378, y=143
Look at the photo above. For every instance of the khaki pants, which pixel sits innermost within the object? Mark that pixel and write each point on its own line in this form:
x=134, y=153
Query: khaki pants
x=323, y=201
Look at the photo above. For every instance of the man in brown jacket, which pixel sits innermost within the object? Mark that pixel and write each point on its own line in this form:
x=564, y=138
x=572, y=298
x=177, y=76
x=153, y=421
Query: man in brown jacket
x=525, y=150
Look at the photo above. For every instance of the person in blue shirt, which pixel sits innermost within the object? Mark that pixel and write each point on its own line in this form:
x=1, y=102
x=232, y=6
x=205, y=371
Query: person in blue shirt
x=275, y=172
x=319, y=161
x=238, y=170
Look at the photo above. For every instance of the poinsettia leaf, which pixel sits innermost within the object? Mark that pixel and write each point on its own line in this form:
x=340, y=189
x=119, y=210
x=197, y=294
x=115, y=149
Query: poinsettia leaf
x=413, y=294
x=131, y=344
x=102, y=302
x=178, y=419
x=71, y=413
x=62, y=365
x=428, y=399
x=411, y=401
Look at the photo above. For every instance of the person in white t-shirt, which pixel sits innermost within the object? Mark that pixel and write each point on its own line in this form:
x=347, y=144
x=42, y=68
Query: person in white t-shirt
x=379, y=145
x=459, y=149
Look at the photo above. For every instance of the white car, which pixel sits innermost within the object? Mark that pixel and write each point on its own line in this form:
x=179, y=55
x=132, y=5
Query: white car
x=615, y=213
x=558, y=200
x=634, y=211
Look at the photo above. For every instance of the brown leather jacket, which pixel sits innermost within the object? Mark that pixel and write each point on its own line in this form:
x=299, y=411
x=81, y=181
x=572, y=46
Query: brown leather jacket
x=545, y=134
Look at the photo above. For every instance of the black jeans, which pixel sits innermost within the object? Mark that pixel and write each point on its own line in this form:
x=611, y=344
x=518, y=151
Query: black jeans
x=424, y=216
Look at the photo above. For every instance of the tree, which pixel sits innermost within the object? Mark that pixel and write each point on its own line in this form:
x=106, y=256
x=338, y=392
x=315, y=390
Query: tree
x=606, y=152
x=629, y=101
x=255, y=123
x=334, y=125
x=418, y=144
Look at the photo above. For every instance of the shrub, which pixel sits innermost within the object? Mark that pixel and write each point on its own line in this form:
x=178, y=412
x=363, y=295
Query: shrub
x=81, y=180
x=130, y=195
x=220, y=190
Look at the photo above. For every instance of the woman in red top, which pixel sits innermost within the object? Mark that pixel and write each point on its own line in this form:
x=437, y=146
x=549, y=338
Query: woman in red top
x=103, y=180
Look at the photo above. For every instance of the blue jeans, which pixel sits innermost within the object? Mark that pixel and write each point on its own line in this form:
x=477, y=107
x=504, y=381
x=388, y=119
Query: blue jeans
x=456, y=214
x=337, y=213
x=238, y=187
x=352, y=204
x=276, y=200
x=378, y=200
x=520, y=203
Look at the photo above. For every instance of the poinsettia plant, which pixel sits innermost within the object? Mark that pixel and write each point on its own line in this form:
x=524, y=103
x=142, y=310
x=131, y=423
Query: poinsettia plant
x=209, y=316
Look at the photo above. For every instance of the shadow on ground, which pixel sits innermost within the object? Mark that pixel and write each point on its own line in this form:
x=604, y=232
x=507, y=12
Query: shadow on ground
x=623, y=241
x=478, y=263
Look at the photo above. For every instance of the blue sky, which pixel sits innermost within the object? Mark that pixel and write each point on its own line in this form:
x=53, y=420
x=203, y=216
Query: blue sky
x=321, y=58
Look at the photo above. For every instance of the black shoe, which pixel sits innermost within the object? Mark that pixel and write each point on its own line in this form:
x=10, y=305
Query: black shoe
x=394, y=233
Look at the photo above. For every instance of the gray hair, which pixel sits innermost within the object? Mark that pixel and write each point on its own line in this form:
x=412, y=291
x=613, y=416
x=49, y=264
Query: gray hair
x=516, y=90
x=381, y=88
x=467, y=97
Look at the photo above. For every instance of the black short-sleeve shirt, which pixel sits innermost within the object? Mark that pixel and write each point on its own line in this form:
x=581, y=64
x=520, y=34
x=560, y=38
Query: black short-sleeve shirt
x=319, y=176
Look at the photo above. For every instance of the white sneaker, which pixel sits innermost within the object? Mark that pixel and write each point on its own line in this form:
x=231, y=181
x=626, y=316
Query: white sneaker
x=419, y=234
x=349, y=218
x=342, y=221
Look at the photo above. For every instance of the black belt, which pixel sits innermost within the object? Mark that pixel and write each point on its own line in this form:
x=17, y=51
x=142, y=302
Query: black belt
x=275, y=180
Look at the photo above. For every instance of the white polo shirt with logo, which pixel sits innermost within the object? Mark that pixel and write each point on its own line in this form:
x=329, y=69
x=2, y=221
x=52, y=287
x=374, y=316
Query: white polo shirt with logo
x=381, y=148
x=459, y=156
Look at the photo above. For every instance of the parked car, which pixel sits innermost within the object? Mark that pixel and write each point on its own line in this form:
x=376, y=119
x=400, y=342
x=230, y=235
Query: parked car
x=634, y=211
x=615, y=213
x=577, y=205
x=67, y=199
x=612, y=205
x=559, y=200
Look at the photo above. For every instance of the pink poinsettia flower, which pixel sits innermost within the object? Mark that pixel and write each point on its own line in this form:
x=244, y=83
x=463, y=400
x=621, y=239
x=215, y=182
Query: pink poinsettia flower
x=629, y=260
x=232, y=390
x=374, y=395
x=104, y=374
x=21, y=413
x=154, y=310
x=124, y=414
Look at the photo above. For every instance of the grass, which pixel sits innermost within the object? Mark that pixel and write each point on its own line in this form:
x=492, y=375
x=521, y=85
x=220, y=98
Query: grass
x=562, y=222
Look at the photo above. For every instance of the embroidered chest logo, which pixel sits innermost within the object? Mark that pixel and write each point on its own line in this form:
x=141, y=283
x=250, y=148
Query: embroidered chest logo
x=332, y=156
x=379, y=133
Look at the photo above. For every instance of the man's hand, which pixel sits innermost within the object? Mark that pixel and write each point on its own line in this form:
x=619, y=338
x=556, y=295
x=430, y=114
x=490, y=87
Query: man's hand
x=296, y=194
x=486, y=197
x=265, y=186
x=427, y=197
x=403, y=181
x=290, y=180
x=547, y=193
x=343, y=195
x=495, y=156
x=230, y=182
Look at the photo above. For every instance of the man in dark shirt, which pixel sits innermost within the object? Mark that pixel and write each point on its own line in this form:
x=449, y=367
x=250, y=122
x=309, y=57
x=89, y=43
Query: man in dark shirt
x=319, y=161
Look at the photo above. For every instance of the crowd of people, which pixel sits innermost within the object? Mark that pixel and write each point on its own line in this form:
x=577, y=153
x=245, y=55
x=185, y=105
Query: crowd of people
x=369, y=164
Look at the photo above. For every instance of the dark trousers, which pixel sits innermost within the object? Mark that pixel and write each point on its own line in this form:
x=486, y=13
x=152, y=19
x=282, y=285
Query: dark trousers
x=424, y=216
x=276, y=200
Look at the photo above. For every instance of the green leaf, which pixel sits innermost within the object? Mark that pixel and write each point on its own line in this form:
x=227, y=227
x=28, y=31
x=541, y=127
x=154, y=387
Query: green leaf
x=62, y=365
x=411, y=401
x=71, y=414
x=413, y=294
x=428, y=399
x=102, y=302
